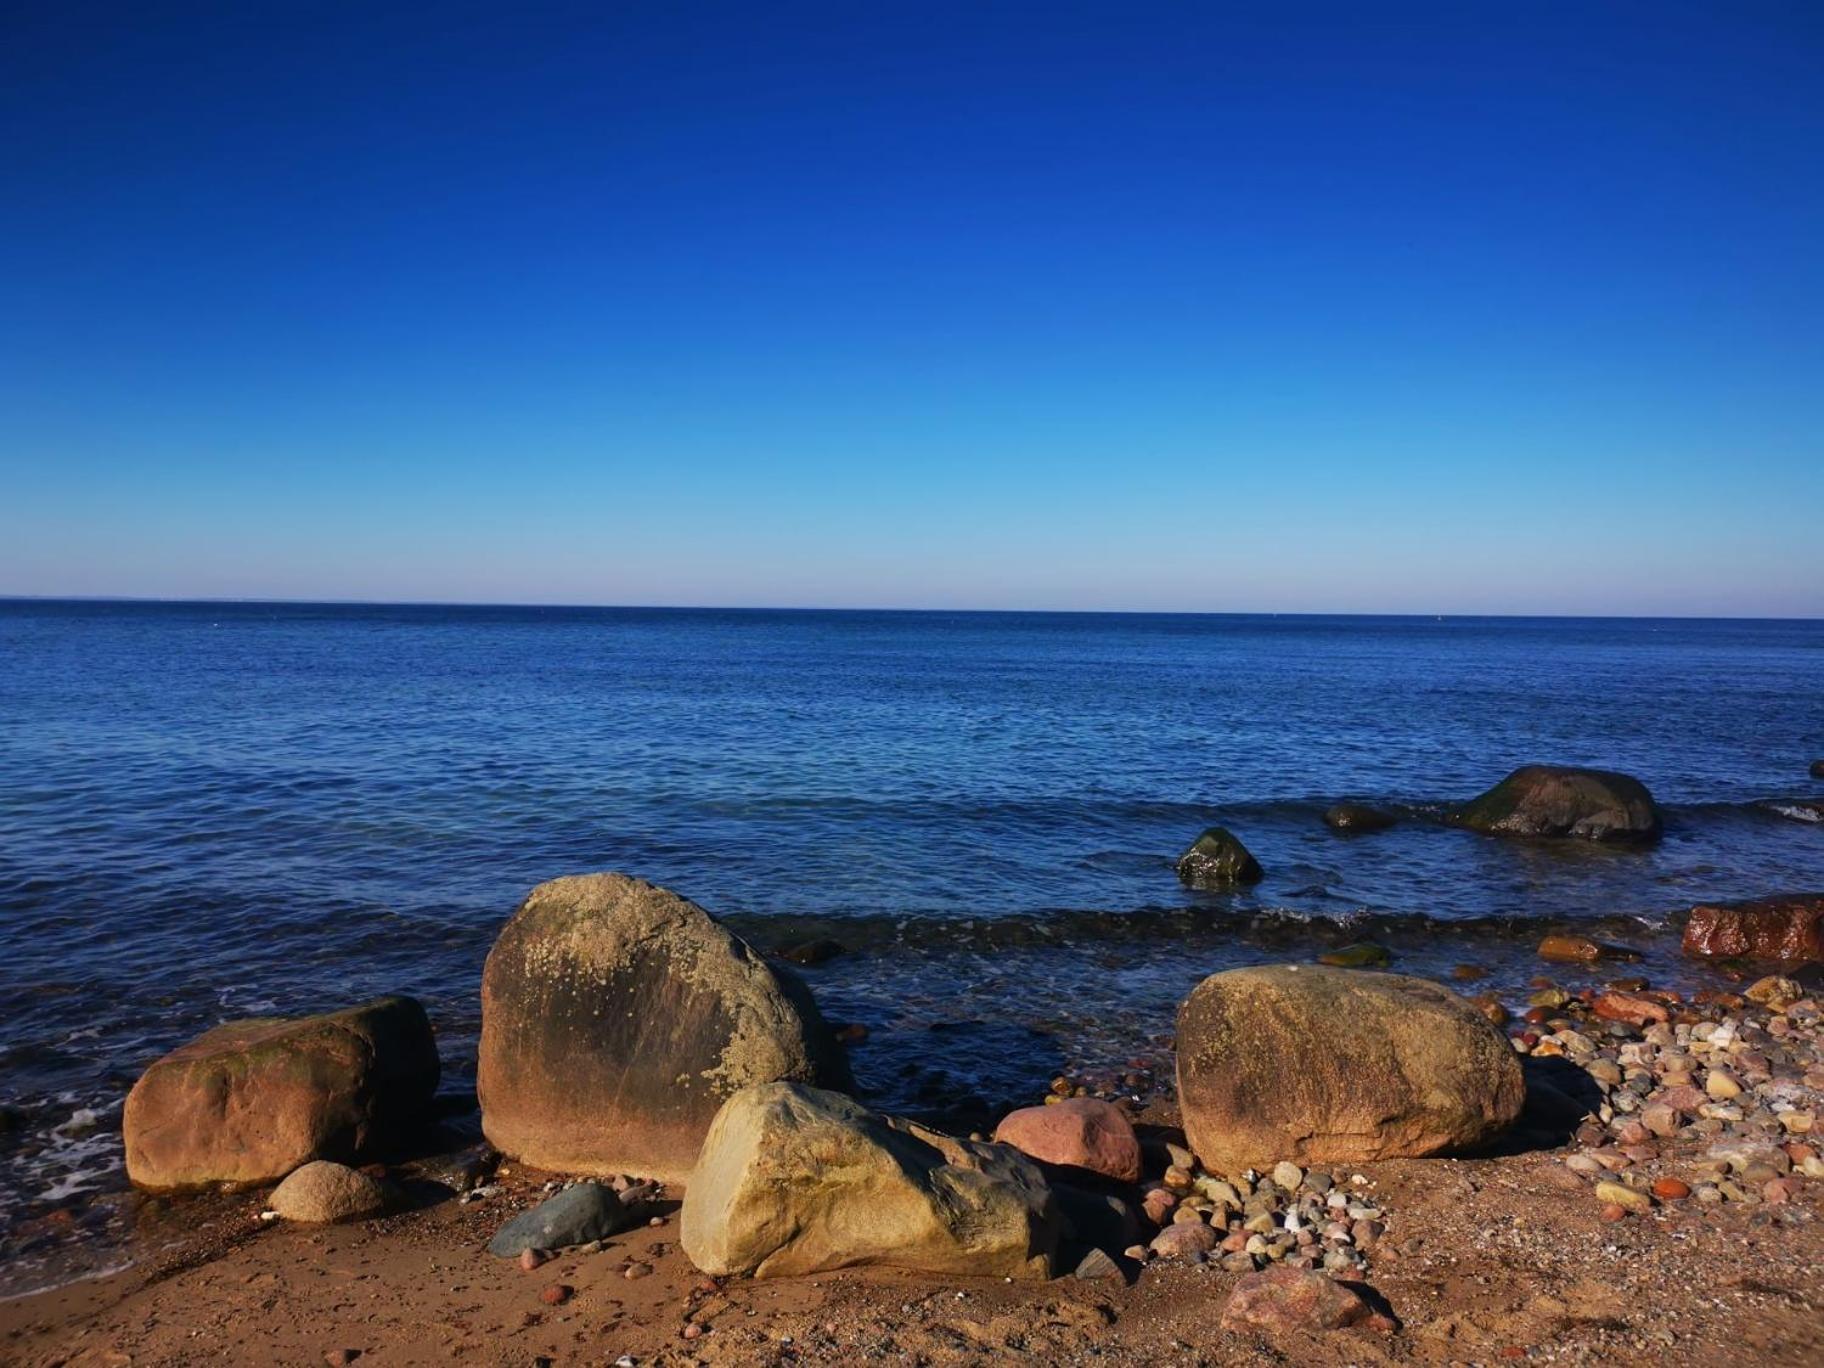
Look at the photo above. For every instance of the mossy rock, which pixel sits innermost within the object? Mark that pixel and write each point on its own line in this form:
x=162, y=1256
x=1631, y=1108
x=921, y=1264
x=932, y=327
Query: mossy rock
x=1556, y=800
x=1217, y=860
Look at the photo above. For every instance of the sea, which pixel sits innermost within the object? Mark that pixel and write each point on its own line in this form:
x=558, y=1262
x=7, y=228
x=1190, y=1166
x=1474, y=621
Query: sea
x=213, y=810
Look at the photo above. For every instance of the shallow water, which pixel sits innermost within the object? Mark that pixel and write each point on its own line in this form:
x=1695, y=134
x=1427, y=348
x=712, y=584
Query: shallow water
x=214, y=810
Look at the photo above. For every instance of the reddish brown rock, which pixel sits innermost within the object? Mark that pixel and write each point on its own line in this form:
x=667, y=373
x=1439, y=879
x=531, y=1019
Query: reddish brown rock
x=1629, y=1007
x=1283, y=1299
x=250, y=1101
x=556, y=1294
x=617, y=1017
x=1569, y=949
x=1671, y=1190
x=1324, y=1065
x=1788, y=928
x=1082, y=1132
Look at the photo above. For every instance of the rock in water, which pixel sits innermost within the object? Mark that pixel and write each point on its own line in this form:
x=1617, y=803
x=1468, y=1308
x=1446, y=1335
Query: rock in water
x=1361, y=955
x=324, y=1191
x=1081, y=1132
x=1553, y=800
x=1329, y=1065
x=1789, y=928
x=1358, y=817
x=799, y=1180
x=617, y=1017
x=1217, y=860
x=1282, y=1299
x=251, y=1100
x=577, y=1215
x=1817, y=769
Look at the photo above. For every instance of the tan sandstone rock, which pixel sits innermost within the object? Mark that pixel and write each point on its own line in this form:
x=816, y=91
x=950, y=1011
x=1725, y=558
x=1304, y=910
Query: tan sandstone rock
x=323, y=1191
x=1331, y=1065
x=250, y=1101
x=801, y=1180
x=617, y=1017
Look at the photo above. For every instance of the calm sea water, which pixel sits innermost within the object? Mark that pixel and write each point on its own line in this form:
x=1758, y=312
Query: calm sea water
x=210, y=810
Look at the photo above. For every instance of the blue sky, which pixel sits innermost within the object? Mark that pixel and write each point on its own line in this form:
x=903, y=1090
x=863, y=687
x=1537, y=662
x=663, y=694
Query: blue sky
x=1433, y=308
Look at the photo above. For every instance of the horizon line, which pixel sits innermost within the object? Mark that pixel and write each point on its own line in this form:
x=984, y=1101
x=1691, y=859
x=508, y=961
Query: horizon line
x=174, y=601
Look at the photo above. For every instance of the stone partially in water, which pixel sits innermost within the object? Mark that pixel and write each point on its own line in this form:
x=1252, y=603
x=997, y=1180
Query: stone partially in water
x=1358, y=818
x=1564, y=948
x=1555, y=800
x=799, y=1180
x=1217, y=860
x=1788, y=927
x=252, y=1100
x=1361, y=955
x=1319, y=1065
x=617, y=1017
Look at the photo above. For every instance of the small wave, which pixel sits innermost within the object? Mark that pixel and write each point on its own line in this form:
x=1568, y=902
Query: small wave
x=1067, y=927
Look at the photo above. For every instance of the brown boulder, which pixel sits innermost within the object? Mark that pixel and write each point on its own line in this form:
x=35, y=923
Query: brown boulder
x=1081, y=1132
x=1297, y=1299
x=251, y=1100
x=617, y=1017
x=1555, y=800
x=797, y=1180
x=1788, y=927
x=1329, y=1065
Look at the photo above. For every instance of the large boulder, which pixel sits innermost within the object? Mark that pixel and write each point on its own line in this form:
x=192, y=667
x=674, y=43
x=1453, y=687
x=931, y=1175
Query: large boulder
x=1080, y=1132
x=617, y=1017
x=800, y=1180
x=324, y=1191
x=1218, y=860
x=1322, y=1065
x=251, y=1100
x=1554, y=800
x=1789, y=927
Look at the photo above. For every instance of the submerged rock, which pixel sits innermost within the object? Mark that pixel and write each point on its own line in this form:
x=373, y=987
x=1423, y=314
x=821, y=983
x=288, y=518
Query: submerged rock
x=1361, y=955
x=1080, y=1132
x=1318, y=1064
x=1359, y=818
x=617, y=1017
x=1788, y=928
x=252, y=1100
x=577, y=1215
x=1556, y=800
x=1817, y=769
x=1217, y=860
x=800, y=1180
x=1568, y=949
x=323, y=1191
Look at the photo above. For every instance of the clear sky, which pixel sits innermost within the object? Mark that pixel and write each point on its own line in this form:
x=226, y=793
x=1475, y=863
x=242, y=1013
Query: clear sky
x=1450, y=307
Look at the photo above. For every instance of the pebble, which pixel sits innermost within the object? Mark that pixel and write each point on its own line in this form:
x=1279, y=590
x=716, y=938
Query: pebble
x=1671, y=1190
x=556, y=1294
x=530, y=1259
